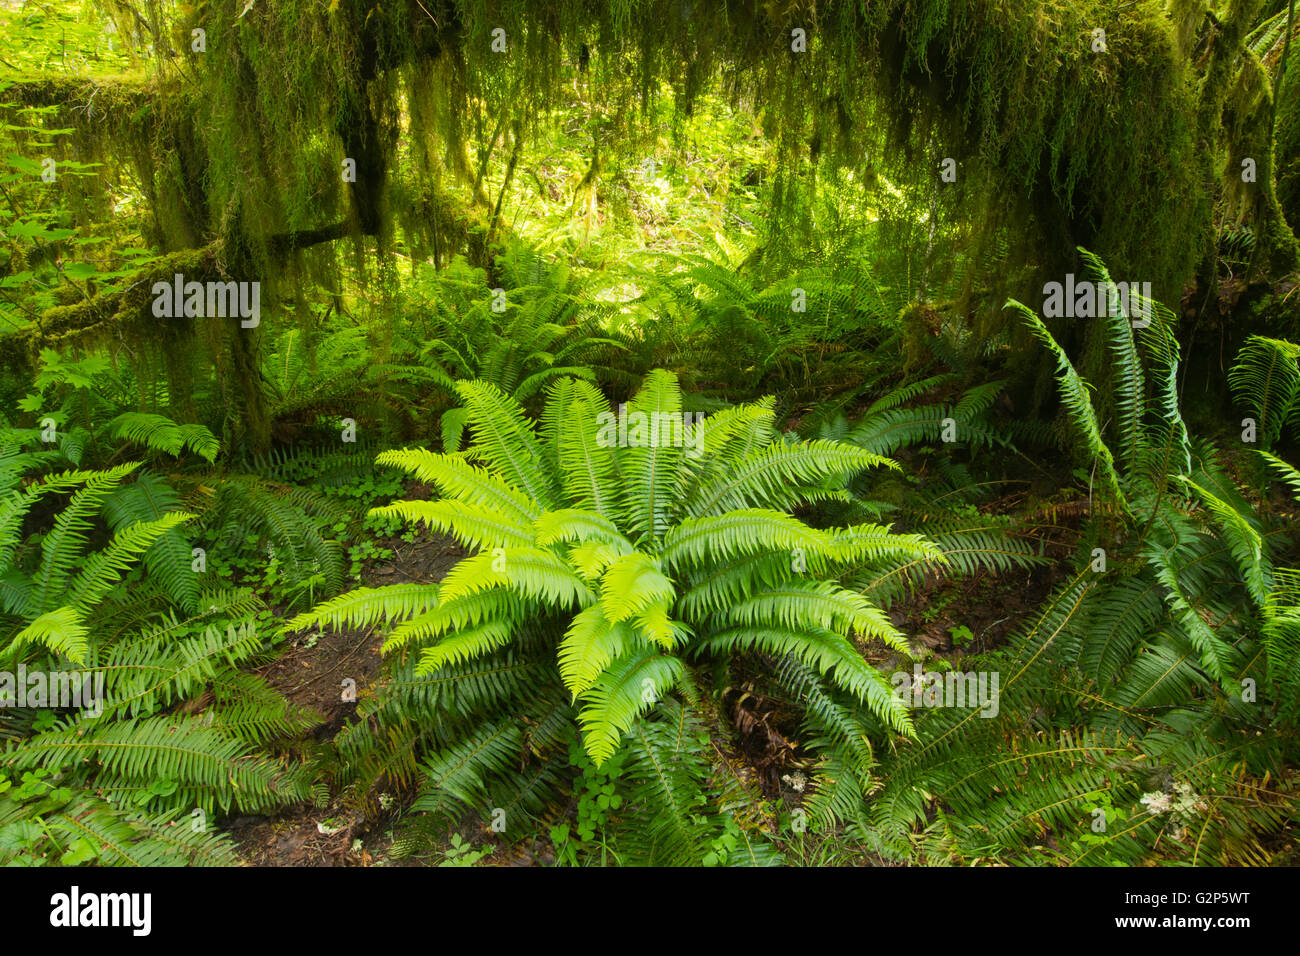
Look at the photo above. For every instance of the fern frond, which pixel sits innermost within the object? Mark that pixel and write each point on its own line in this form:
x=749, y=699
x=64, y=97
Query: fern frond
x=625, y=690
x=63, y=630
x=1265, y=379
x=505, y=438
x=829, y=653
x=160, y=433
x=1074, y=395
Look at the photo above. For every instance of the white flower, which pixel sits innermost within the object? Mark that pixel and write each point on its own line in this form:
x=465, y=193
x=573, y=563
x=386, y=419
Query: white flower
x=1157, y=802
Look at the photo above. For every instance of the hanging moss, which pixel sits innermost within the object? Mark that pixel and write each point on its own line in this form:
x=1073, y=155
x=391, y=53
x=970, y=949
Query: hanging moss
x=1061, y=136
x=1014, y=92
x=1087, y=144
x=128, y=310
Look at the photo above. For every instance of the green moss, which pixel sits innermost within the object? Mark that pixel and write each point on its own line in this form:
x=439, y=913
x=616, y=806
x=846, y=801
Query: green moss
x=1084, y=145
x=1057, y=142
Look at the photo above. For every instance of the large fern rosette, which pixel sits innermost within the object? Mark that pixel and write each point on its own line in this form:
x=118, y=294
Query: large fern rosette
x=646, y=557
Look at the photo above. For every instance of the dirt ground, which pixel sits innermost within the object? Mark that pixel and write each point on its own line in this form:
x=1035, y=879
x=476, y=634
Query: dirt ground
x=310, y=672
x=312, y=667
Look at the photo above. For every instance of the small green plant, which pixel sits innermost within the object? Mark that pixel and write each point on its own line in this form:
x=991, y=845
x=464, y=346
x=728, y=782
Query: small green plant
x=461, y=853
x=597, y=801
x=723, y=846
x=365, y=550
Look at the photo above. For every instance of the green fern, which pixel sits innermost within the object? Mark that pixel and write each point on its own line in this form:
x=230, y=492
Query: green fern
x=612, y=569
x=145, y=764
x=1265, y=379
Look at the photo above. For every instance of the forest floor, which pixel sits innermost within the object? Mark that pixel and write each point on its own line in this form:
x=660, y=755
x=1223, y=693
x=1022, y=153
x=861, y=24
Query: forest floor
x=948, y=621
x=311, y=672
